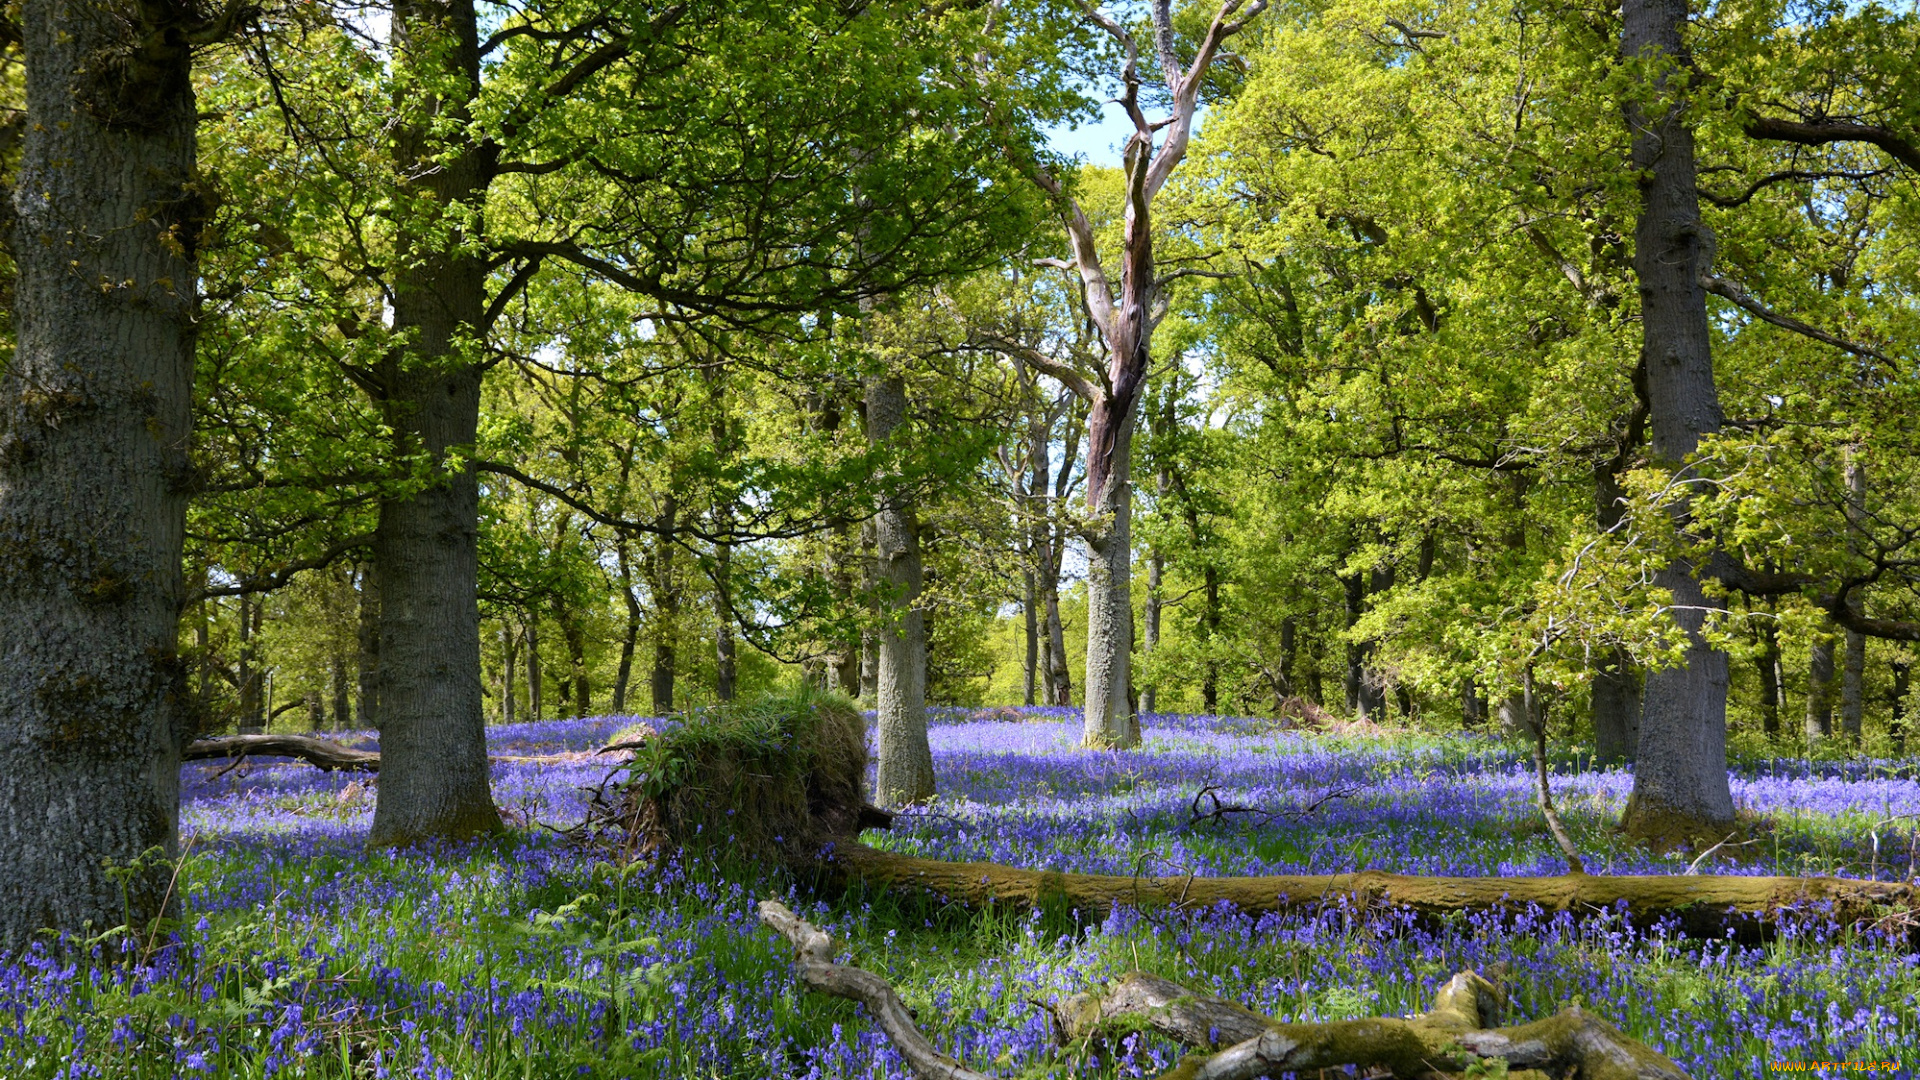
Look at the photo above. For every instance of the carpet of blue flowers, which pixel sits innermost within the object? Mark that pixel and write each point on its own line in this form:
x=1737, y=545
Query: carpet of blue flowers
x=301, y=955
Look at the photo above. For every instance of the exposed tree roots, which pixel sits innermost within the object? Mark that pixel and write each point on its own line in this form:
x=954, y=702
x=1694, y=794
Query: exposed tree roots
x=1705, y=905
x=1235, y=1043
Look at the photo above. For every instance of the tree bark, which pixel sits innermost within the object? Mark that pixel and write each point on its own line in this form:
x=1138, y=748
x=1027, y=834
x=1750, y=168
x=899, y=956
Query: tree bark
x=253, y=712
x=666, y=608
x=1030, y=619
x=1773, y=690
x=1615, y=693
x=1680, y=784
x=369, y=634
x=623, y=674
x=1150, y=632
x=509, y=661
x=723, y=647
x=95, y=419
x=904, y=774
x=1819, y=725
x=575, y=636
x=435, y=783
x=536, y=684
x=1902, y=684
x=1110, y=722
x=1473, y=706
x=1616, y=707
x=1853, y=698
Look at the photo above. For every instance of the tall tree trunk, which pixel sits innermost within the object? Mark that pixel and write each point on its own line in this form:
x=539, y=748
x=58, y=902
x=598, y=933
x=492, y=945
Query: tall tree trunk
x=94, y=429
x=1354, y=592
x=1209, y=635
x=1680, y=784
x=1289, y=654
x=1373, y=685
x=1053, y=539
x=1616, y=707
x=203, y=663
x=536, y=685
x=369, y=635
x=1473, y=706
x=1902, y=719
x=1853, y=698
x=666, y=607
x=253, y=712
x=1162, y=430
x=904, y=774
x=509, y=662
x=1030, y=663
x=1819, y=724
x=575, y=636
x=723, y=647
x=1615, y=692
x=1150, y=630
x=342, y=695
x=1853, y=674
x=1773, y=690
x=1109, y=715
x=623, y=674
x=434, y=779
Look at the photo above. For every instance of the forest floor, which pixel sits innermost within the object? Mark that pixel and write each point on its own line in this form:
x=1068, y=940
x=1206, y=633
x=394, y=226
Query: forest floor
x=302, y=955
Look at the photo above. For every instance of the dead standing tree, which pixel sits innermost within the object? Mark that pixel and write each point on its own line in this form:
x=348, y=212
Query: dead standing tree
x=1125, y=319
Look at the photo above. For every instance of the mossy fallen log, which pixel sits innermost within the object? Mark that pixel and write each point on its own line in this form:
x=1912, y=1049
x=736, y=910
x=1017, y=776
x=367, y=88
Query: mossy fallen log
x=1705, y=904
x=1458, y=1037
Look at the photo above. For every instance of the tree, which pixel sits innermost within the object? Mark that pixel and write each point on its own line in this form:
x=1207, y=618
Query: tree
x=94, y=436
x=489, y=182
x=1680, y=778
x=1125, y=321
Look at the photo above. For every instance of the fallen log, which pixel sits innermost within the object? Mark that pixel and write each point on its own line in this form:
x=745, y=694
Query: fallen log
x=320, y=753
x=1703, y=904
x=327, y=754
x=1454, y=1039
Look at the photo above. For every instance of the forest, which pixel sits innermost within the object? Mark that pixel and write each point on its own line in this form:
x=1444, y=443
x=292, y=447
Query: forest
x=959, y=538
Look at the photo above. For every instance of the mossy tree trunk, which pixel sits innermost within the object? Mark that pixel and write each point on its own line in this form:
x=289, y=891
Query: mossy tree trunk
x=1703, y=904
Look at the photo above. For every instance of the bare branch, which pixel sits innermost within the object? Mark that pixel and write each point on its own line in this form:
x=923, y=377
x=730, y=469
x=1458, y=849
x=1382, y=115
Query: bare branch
x=1745, y=300
x=813, y=956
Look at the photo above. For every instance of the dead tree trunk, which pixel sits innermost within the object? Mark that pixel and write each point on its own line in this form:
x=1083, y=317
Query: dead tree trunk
x=1124, y=318
x=1456, y=1038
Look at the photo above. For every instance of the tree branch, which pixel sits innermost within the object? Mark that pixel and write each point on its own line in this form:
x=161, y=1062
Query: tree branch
x=1745, y=300
x=1823, y=132
x=279, y=576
